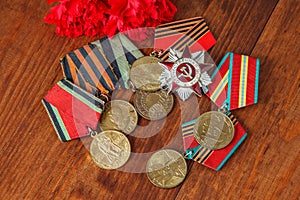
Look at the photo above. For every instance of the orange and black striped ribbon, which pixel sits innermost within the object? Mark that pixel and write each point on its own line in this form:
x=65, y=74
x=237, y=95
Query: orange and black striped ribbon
x=88, y=68
x=121, y=53
x=177, y=35
x=102, y=65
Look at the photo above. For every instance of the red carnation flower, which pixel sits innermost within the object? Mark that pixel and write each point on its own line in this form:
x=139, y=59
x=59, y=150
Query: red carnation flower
x=74, y=18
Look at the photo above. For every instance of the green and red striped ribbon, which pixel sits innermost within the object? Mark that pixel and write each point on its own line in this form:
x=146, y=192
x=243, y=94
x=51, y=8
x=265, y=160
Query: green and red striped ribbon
x=72, y=110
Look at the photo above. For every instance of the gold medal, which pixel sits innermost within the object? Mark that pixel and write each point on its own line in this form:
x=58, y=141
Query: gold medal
x=145, y=73
x=110, y=149
x=119, y=115
x=166, y=168
x=153, y=105
x=214, y=130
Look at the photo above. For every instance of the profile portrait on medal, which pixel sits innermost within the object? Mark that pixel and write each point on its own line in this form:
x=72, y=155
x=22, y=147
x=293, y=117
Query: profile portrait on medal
x=116, y=116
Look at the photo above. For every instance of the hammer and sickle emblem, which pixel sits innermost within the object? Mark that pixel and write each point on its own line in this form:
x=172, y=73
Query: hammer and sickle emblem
x=186, y=73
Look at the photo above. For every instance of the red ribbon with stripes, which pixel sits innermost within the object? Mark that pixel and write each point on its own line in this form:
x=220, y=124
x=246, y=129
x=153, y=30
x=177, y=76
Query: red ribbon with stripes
x=192, y=32
x=235, y=82
x=72, y=110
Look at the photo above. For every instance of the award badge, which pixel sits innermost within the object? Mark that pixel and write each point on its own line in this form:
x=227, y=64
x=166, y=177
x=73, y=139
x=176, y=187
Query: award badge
x=212, y=139
x=119, y=115
x=153, y=105
x=166, y=168
x=109, y=149
x=150, y=101
x=234, y=85
x=184, y=73
x=144, y=74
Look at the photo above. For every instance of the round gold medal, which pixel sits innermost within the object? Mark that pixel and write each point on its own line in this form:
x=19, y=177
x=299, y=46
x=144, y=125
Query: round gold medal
x=145, y=73
x=153, y=105
x=214, y=130
x=166, y=168
x=110, y=149
x=119, y=115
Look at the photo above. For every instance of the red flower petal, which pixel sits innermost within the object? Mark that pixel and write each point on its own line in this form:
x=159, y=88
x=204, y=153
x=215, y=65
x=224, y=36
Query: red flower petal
x=91, y=17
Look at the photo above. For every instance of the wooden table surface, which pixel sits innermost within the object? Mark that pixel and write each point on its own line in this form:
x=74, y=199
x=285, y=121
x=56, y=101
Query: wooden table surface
x=34, y=164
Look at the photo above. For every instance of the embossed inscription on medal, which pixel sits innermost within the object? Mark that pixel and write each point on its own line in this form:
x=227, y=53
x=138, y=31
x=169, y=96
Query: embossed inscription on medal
x=214, y=130
x=110, y=149
x=166, y=168
x=119, y=115
x=153, y=105
x=145, y=73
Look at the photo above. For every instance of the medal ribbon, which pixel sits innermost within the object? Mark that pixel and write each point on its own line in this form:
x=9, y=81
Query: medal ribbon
x=102, y=65
x=121, y=53
x=214, y=159
x=71, y=110
x=235, y=82
x=88, y=68
x=192, y=32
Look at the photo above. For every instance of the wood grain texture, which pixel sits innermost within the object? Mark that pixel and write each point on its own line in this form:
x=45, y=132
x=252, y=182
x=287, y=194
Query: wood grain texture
x=34, y=164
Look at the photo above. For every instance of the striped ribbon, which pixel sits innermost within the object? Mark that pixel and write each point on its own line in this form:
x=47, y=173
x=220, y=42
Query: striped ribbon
x=121, y=53
x=102, y=65
x=71, y=110
x=88, y=68
x=235, y=82
x=193, y=32
x=214, y=159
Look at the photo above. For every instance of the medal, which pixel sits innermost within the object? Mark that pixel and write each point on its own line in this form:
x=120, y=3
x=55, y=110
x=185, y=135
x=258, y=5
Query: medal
x=213, y=130
x=119, y=115
x=183, y=74
x=212, y=145
x=109, y=149
x=166, y=168
x=145, y=72
x=153, y=105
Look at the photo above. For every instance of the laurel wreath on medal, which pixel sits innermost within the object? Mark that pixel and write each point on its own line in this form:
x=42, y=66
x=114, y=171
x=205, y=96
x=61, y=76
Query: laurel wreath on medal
x=183, y=74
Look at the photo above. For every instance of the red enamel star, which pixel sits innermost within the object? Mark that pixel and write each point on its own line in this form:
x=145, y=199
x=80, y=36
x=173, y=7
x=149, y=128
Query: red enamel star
x=182, y=73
